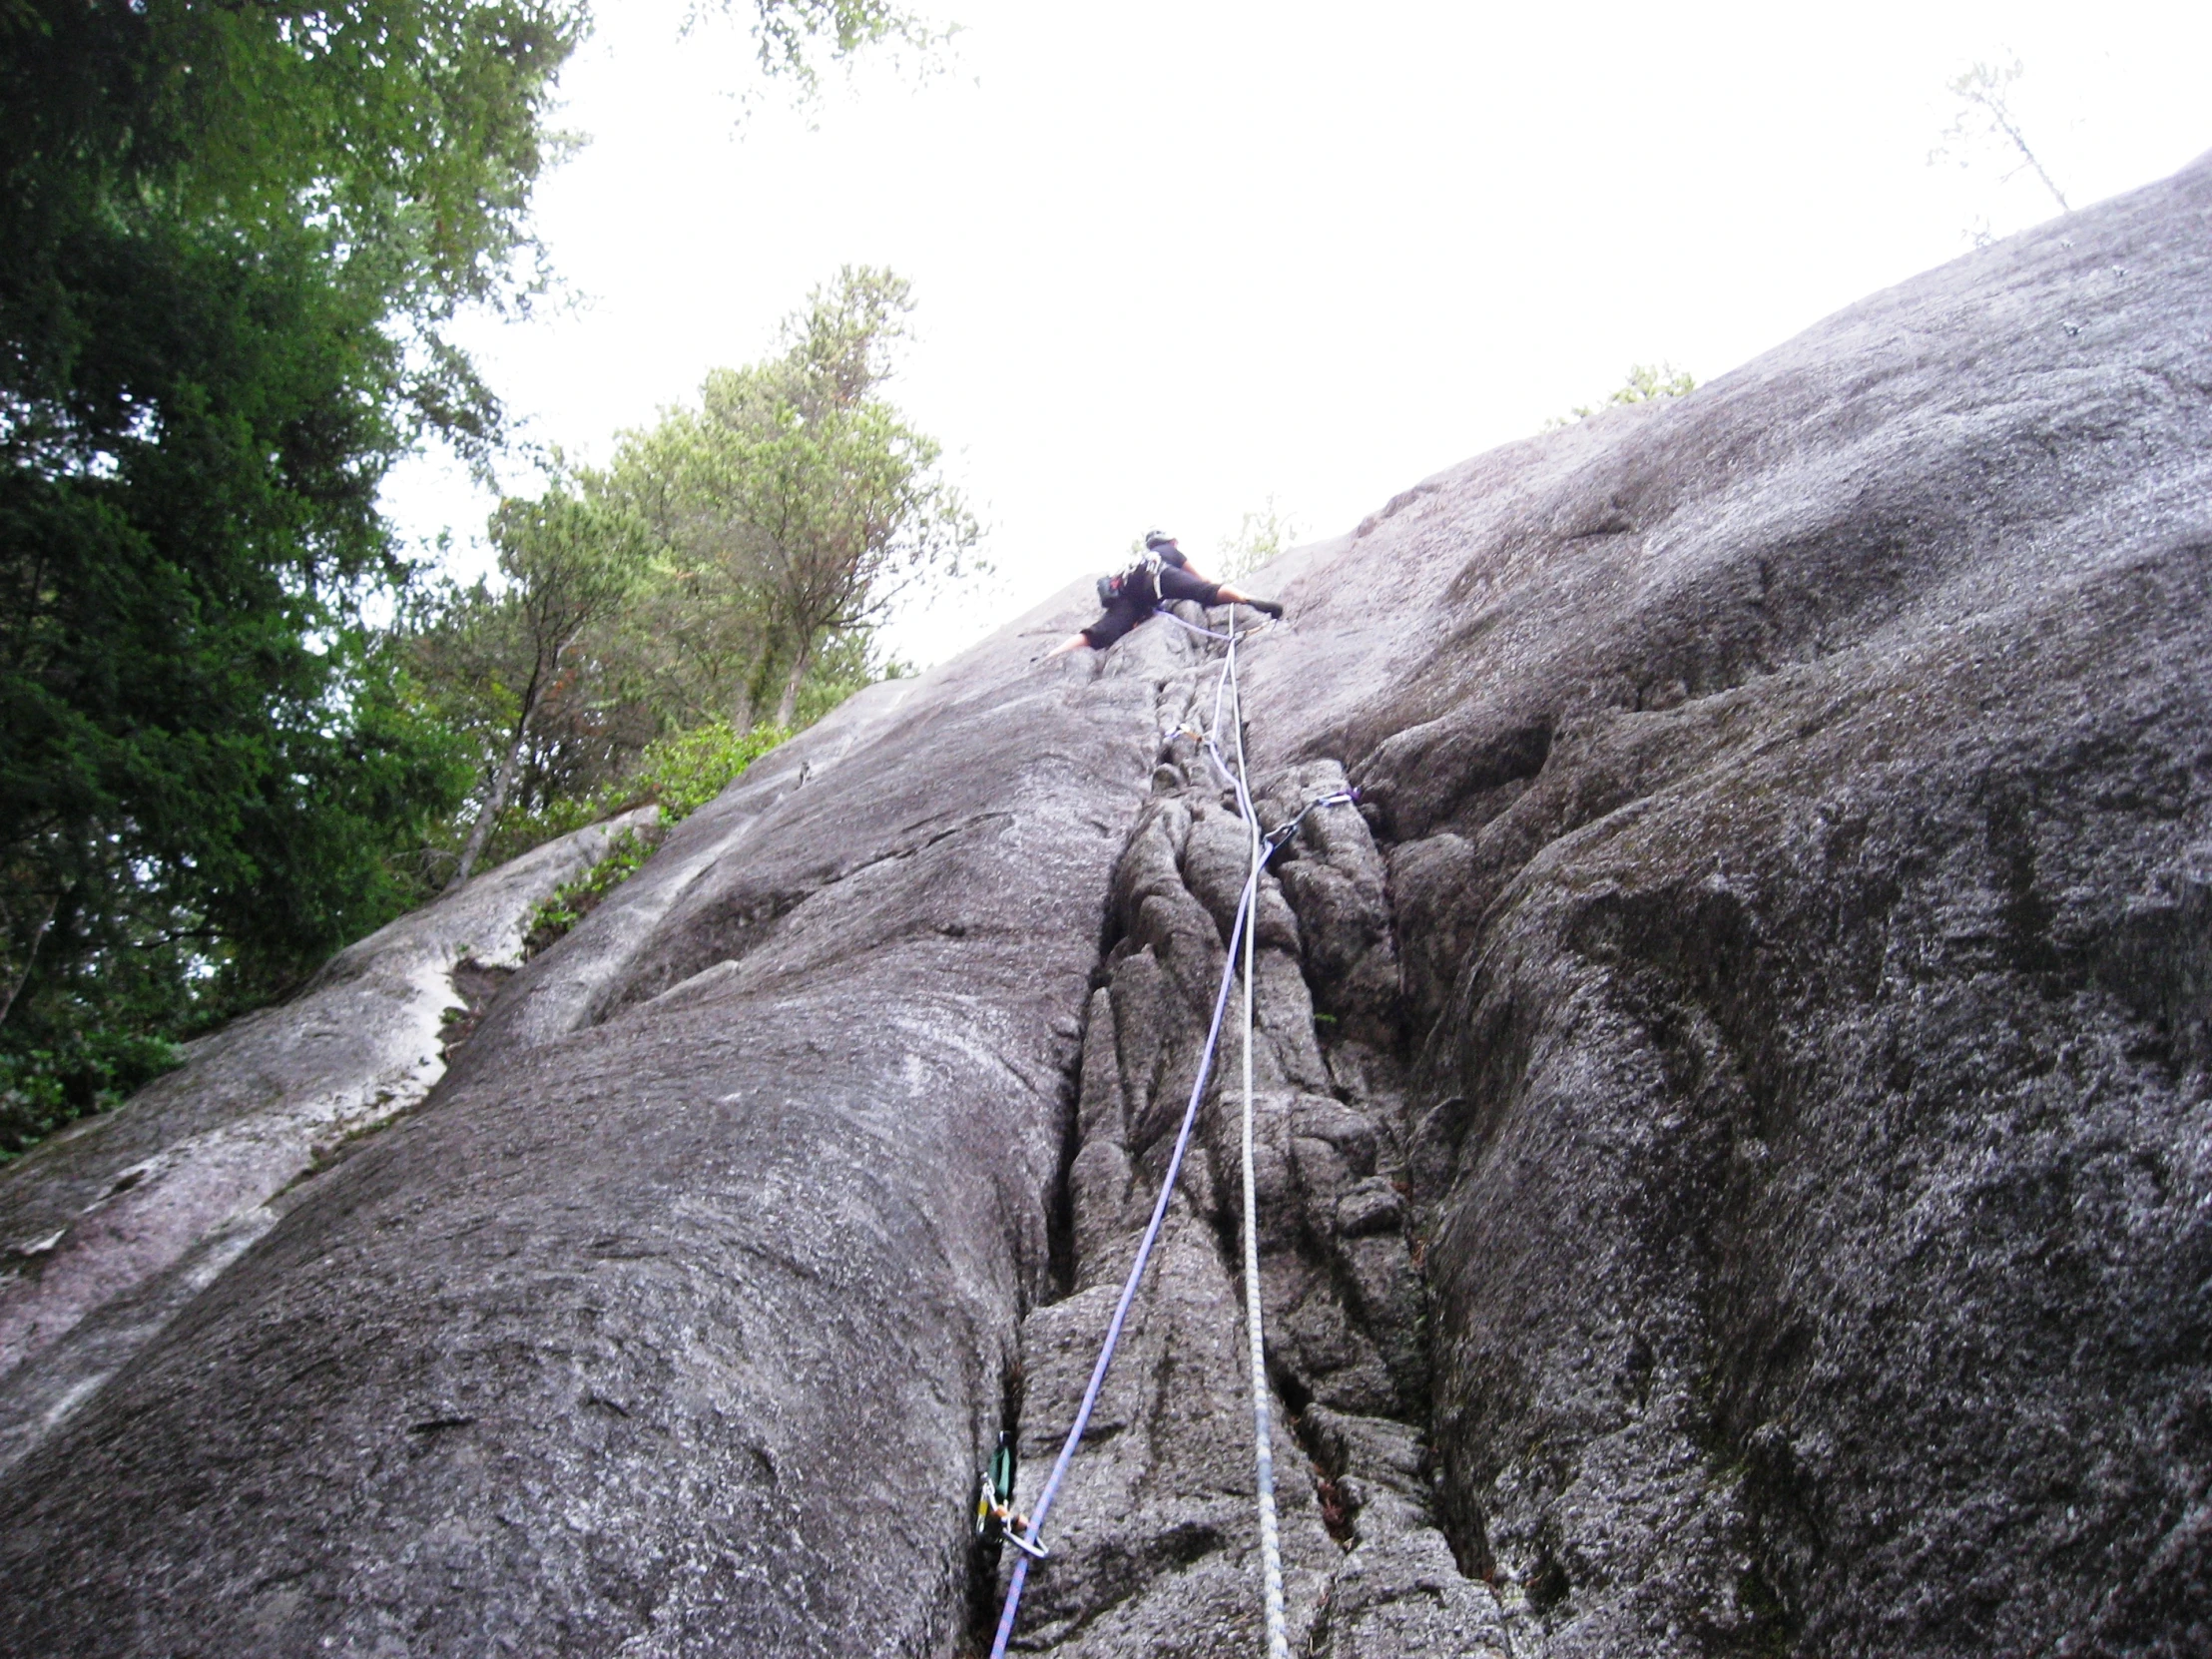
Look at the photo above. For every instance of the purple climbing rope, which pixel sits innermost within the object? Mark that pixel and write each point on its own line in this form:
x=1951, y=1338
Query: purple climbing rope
x=1264, y=847
x=1129, y=1286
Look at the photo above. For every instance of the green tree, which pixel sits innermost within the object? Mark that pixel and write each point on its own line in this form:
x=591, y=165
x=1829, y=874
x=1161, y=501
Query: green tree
x=796, y=504
x=694, y=645
x=231, y=237
x=569, y=564
x=228, y=235
x=219, y=259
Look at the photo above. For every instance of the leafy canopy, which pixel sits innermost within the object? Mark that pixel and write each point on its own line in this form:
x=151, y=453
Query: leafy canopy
x=795, y=503
x=232, y=234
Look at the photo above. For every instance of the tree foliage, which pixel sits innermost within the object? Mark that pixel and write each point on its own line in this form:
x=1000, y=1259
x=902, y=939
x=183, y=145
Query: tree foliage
x=228, y=235
x=569, y=562
x=729, y=564
x=793, y=505
x=232, y=235
x=1644, y=384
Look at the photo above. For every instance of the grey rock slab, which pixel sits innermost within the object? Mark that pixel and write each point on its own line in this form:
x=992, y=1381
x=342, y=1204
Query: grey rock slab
x=673, y=1326
x=568, y=987
x=178, y=1177
x=1796, y=797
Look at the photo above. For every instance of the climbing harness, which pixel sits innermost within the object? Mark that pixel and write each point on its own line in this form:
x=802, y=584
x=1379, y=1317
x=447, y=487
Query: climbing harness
x=993, y=1509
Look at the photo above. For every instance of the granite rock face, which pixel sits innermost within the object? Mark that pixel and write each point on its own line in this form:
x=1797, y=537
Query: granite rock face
x=674, y=1322
x=1797, y=802
x=1735, y=1151
x=117, y=1222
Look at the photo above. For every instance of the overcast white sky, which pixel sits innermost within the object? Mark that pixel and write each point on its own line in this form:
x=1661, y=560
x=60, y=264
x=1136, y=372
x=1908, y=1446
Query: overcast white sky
x=1174, y=259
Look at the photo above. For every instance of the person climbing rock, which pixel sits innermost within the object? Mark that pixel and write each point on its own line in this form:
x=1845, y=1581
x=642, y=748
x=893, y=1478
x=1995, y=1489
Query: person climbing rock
x=1161, y=576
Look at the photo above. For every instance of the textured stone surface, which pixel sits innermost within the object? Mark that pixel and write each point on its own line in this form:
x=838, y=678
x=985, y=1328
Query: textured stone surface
x=1800, y=855
x=676, y=1319
x=1154, y=1539
x=1734, y=1131
x=115, y=1222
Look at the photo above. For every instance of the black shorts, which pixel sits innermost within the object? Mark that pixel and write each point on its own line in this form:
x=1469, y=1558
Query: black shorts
x=1125, y=613
x=1181, y=584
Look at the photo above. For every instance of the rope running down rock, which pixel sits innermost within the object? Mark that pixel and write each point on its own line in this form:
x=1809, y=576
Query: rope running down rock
x=1262, y=1437
x=1262, y=846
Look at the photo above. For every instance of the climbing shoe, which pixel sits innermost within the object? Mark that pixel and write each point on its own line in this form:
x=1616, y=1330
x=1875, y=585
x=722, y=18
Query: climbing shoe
x=1266, y=607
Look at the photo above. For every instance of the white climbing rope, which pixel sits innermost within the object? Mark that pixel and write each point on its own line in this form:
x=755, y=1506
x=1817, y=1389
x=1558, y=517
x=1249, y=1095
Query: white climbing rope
x=1263, y=1436
x=1242, y=931
x=1031, y=1544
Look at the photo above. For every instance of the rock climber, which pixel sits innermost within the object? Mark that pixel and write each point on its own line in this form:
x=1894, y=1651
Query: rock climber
x=1163, y=575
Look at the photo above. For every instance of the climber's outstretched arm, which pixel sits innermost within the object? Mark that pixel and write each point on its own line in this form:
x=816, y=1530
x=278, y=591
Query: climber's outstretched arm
x=1074, y=642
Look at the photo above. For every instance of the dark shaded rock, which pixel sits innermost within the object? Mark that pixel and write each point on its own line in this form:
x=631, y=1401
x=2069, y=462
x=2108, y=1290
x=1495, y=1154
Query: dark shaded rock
x=1800, y=796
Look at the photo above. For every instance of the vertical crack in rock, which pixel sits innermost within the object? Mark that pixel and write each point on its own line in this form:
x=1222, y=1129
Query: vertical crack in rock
x=1154, y=1536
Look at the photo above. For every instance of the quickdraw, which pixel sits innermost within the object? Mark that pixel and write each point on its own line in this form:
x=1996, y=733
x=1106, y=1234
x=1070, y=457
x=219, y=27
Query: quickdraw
x=996, y=1523
x=1275, y=839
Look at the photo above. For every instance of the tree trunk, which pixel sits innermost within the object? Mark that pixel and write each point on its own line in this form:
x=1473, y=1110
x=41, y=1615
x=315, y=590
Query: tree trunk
x=541, y=678
x=786, y=707
x=30, y=955
x=502, y=781
x=759, y=687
